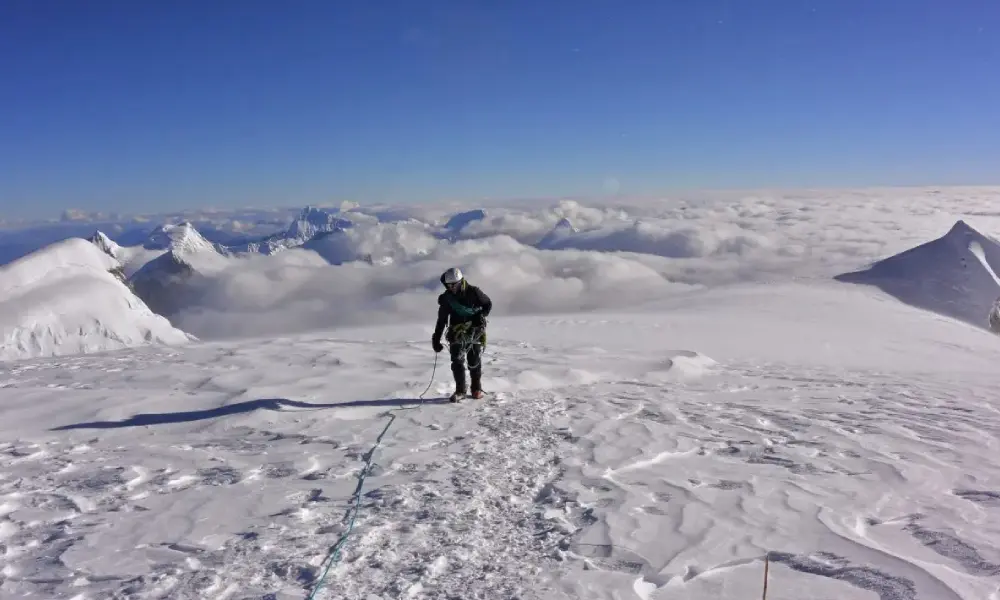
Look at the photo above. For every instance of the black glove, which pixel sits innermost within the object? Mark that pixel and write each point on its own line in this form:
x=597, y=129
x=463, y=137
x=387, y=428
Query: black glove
x=436, y=344
x=479, y=321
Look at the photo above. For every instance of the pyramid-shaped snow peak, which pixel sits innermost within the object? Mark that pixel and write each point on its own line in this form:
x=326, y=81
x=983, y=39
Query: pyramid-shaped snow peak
x=953, y=275
x=182, y=237
x=65, y=299
x=563, y=229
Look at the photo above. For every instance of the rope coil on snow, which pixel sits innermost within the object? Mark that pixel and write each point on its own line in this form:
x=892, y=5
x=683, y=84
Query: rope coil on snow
x=334, y=555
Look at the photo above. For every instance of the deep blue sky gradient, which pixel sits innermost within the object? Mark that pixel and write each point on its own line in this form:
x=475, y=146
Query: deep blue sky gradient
x=135, y=106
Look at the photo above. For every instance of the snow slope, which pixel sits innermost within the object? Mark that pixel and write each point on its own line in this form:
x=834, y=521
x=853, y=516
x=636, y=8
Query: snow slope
x=650, y=455
x=952, y=275
x=64, y=299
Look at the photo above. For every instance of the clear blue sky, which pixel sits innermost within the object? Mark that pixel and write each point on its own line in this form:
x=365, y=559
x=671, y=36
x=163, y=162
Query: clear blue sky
x=123, y=105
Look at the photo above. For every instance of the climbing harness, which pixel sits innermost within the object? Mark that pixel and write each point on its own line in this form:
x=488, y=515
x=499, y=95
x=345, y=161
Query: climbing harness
x=466, y=336
x=334, y=553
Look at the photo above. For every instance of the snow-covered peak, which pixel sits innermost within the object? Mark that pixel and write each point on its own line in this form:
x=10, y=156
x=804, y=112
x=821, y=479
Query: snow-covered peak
x=563, y=229
x=106, y=244
x=66, y=299
x=458, y=221
x=60, y=260
x=564, y=224
x=314, y=220
x=961, y=230
x=951, y=275
x=182, y=237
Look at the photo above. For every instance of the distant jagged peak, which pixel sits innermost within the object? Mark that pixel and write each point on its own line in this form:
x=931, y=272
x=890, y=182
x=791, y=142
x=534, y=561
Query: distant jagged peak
x=106, y=244
x=311, y=211
x=180, y=237
x=312, y=220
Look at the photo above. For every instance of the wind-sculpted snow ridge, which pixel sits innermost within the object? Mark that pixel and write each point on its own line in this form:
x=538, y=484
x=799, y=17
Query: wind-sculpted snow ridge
x=952, y=275
x=69, y=298
x=649, y=456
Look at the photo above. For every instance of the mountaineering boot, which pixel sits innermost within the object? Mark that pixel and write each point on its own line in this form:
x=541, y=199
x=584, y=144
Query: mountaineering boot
x=477, y=386
x=458, y=395
x=476, y=374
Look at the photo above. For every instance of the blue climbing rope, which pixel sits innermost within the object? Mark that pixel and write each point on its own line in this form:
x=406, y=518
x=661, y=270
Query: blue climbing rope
x=334, y=555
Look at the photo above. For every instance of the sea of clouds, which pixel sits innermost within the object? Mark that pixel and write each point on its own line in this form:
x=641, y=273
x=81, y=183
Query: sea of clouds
x=567, y=255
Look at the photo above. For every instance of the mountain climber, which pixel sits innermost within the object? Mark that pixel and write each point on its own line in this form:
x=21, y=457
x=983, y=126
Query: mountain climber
x=463, y=307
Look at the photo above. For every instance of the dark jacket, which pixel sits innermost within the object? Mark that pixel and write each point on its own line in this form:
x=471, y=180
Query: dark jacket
x=468, y=304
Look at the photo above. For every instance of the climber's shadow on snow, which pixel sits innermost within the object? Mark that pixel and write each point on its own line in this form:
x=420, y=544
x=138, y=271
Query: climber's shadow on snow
x=275, y=404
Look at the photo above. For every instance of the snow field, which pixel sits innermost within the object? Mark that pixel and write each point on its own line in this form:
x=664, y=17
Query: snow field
x=647, y=456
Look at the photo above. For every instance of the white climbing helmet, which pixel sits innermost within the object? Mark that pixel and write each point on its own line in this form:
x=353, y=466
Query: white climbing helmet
x=452, y=275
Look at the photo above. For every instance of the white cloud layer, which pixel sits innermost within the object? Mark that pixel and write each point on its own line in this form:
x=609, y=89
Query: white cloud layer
x=566, y=255
x=619, y=256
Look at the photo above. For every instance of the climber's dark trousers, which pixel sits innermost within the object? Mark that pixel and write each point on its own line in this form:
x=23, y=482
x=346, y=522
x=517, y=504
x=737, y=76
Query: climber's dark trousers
x=473, y=359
